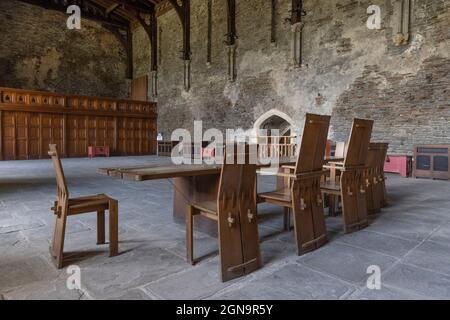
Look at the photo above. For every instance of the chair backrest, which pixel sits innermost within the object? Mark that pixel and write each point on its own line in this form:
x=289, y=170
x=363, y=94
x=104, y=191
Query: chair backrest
x=358, y=144
x=62, y=191
x=377, y=155
x=237, y=220
x=313, y=144
x=235, y=176
x=373, y=156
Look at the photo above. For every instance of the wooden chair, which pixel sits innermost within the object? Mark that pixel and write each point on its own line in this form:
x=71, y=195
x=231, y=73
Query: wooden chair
x=235, y=212
x=351, y=187
x=65, y=206
x=333, y=200
x=303, y=197
x=375, y=178
x=381, y=175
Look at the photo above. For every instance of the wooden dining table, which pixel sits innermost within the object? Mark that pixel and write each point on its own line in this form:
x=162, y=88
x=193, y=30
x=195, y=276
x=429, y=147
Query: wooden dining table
x=191, y=183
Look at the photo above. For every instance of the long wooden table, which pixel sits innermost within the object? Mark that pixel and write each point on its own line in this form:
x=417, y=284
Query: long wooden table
x=191, y=183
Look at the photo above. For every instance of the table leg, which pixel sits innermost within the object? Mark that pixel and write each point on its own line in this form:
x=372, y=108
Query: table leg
x=195, y=189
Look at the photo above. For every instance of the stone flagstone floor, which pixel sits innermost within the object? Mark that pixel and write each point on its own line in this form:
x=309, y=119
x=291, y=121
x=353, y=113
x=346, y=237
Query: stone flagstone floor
x=409, y=241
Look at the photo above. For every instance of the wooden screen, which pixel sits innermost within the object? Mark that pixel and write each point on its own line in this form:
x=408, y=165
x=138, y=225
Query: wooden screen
x=31, y=120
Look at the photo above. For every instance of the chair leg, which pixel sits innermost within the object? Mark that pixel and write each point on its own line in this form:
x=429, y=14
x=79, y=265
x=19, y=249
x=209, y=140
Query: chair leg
x=287, y=219
x=113, y=228
x=101, y=227
x=190, y=235
x=333, y=205
x=57, y=249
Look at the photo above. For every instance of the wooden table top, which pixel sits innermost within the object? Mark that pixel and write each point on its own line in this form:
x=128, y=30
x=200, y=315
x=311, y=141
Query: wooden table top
x=168, y=171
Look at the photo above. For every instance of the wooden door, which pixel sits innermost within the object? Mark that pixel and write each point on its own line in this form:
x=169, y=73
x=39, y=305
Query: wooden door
x=139, y=89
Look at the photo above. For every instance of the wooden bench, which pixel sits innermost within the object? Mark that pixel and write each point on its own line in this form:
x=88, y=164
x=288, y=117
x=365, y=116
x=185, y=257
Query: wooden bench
x=94, y=151
x=65, y=206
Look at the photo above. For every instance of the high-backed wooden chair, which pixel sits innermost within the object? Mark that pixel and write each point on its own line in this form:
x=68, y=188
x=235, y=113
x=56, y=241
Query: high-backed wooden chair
x=65, y=206
x=381, y=175
x=333, y=200
x=235, y=213
x=374, y=177
x=350, y=186
x=303, y=197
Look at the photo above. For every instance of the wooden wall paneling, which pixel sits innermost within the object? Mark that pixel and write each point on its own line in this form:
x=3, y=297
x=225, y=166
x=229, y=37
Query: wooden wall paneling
x=57, y=129
x=71, y=136
x=34, y=139
x=92, y=131
x=46, y=131
x=129, y=136
x=31, y=120
x=138, y=136
x=109, y=133
x=64, y=151
x=121, y=136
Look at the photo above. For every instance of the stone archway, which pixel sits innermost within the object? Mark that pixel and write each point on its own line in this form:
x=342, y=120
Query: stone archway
x=282, y=142
x=269, y=114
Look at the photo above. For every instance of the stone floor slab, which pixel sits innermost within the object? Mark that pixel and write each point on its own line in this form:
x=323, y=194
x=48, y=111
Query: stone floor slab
x=382, y=243
x=419, y=281
x=346, y=262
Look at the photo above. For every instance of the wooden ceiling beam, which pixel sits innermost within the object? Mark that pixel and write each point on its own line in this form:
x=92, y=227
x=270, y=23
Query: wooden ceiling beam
x=89, y=10
x=112, y=7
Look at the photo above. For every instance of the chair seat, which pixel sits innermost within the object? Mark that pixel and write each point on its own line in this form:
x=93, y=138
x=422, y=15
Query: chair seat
x=331, y=186
x=84, y=204
x=209, y=207
x=277, y=196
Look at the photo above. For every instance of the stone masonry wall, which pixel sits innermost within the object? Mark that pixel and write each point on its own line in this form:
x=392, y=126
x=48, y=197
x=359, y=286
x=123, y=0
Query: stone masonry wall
x=350, y=70
x=37, y=51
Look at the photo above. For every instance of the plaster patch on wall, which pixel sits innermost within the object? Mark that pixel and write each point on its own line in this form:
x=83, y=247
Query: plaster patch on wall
x=35, y=71
x=231, y=92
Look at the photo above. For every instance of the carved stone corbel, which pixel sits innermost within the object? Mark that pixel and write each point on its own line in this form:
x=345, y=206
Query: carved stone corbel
x=297, y=44
x=232, y=62
x=187, y=75
x=402, y=12
x=154, y=83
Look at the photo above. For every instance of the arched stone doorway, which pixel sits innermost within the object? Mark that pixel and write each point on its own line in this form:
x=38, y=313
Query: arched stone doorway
x=275, y=134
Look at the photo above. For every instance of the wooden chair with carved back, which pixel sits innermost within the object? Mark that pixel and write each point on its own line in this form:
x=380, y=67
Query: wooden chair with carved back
x=381, y=175
x=235, y=213
x=351, y=187
x=375, y=178
x=333, y=200
x=303, y=197
x=65, y=206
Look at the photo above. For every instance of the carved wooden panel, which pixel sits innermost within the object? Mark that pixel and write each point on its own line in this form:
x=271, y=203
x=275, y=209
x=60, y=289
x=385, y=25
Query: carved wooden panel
x=31, y=120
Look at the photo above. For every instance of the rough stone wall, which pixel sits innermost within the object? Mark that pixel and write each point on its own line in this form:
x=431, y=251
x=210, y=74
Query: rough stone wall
x=349, y=69
x=37, y=51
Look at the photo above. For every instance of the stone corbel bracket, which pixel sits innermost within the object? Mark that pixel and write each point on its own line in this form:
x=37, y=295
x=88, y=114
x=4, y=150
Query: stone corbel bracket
x=402, y=15
x=297, y=44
